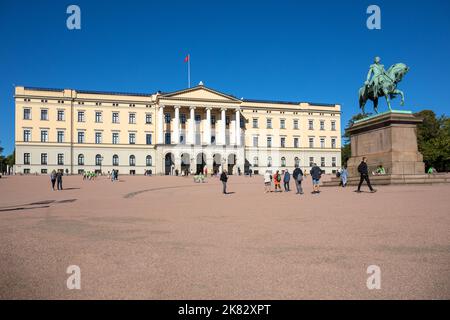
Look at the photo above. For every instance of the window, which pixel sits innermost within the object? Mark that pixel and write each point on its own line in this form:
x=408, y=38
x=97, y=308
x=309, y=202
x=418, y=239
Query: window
x=115, y=161
x=44, y=136
x=148, y=161
x=132, y=160
x=310, y=124
x=60, y=115
x=43, y=171
x=60, y=136
x=167, y=138
x=148, y=118
x=213, y=139
x=115, y=138
x=333, y=161
x=296, y=145
x=283, y=142
x=26, y=135
x=269, y=123
x=269, y=161
x=255, y=161
x=283, y=161
x=282, y=123
x=98, y=137
x=255, y=141
x=297, y=162
x=60, y=159
x=269, y=142
x=132, y=138
x=322, y=142
x=295, y=124
x=182, y=139
x=167, y=117
x=255, y=122
x=148, y=138
x=227, y=120
x=81, y=117
x=198, y=118
x=333, y=143
x=183, y=118
x=81, y=160
x=98, y=117
x=132, y=118
x=26, y=171
x=333, y=125
x=322, y=161
x=322, y=125
x=26, y=158
x=311, y=161
x=213, y=119
x=43, y=158
x=311, y=142
x=44, y=114
x=27, y=114
x=115, y=117
x=81, y=137
x=98, y=160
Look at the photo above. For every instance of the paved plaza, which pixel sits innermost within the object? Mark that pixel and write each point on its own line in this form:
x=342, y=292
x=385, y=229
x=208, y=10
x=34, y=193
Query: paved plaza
x=170, y=238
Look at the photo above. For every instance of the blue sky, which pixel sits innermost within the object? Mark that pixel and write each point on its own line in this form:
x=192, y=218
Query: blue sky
x=315, y=51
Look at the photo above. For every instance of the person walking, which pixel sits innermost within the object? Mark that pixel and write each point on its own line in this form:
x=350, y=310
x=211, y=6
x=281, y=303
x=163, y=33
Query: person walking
x=59, y=175
x=224, y=179
x=286, y=180
x=364, y=175
x=267, y=181
x=344, y=176
x=53, y=179
x=316, y=174
x=298, y=178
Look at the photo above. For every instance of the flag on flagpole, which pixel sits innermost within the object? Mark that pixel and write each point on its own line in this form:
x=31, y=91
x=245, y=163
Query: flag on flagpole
x=188, y=60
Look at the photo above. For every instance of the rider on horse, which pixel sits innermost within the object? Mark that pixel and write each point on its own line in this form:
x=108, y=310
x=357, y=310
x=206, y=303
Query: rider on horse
x=378, y=70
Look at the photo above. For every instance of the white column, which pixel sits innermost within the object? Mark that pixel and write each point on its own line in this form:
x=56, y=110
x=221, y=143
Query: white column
x=207, y=128
x=223, y=127
x=160, y=125
x=238, y=127
x=231, y=132
x=192, y=125
x=176, y=126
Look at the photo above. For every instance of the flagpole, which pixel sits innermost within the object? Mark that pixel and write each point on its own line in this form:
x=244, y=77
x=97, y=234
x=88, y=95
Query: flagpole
x=189, y=70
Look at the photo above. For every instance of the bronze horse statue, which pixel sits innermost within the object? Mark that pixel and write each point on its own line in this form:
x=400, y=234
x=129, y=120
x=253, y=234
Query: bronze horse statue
x=386, y=84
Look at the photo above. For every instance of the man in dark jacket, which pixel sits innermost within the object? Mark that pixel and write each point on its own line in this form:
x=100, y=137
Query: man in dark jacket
x=59, y=176
x=316, y=174
x=224, y=179
x=286, y=180
x=364, y=175
x=298, y=178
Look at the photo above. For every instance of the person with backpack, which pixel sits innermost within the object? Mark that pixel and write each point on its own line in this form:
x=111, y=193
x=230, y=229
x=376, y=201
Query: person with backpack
x=277, y=180
x=316, y=174
x=224, y=179
x=298, y=178
x=364, y=175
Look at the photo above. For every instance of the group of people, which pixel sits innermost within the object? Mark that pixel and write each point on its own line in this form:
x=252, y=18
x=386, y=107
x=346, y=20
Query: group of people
x=114, y=175
x=89, y=175
x=56, y=178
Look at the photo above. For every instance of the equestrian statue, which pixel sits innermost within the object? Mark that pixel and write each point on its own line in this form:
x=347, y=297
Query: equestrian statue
x=382, y=83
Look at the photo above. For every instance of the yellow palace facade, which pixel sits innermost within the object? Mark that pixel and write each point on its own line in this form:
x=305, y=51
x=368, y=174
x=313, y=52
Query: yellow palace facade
x=165, y=133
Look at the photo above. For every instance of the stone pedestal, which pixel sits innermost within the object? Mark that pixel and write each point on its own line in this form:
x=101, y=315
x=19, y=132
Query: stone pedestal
x=389, y=139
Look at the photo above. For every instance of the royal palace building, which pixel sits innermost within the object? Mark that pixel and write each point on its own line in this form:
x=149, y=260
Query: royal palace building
x=167, y=133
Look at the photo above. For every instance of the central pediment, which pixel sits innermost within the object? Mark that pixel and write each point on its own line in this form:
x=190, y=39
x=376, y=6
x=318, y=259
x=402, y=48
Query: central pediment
x=200, y=92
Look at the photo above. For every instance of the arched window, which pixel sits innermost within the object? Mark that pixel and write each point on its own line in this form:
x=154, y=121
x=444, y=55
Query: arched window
x=297, y=161
x=283, y=161
x=98, y=160
x=115, y=160
x=132, y=160
x=255, y=161
x=81, y=160
x=148, y=161
x=269, y=161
